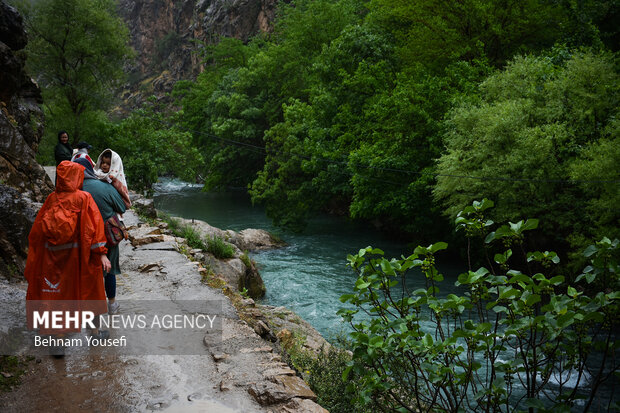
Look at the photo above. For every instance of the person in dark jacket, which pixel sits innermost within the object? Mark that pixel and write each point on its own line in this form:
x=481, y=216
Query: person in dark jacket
x=63, y=150
x=109, y=202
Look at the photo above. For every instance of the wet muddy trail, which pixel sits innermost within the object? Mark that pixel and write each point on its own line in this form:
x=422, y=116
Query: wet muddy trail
x=117, y=384
x=82, y=381
x=237, y=372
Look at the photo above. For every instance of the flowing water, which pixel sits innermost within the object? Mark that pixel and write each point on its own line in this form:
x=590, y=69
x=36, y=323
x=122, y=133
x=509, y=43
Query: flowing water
x=308, y=275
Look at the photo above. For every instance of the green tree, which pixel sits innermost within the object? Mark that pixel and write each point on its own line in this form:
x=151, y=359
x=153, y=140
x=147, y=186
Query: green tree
x=394, y=166
x=152, y=146
x=252, y=84
x=592, y=23
x=365, y=141
x=538, y=121
x=226, y=54
x=76, y=52
x=602, y=197
x=436, y=33
x=306, y=166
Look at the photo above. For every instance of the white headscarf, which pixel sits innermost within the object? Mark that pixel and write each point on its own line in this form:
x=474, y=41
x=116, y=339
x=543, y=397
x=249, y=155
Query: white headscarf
x=116, y=168
x=115, y=176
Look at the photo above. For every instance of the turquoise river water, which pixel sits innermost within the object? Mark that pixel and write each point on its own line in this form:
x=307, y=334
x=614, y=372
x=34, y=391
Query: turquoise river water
x=310, y=273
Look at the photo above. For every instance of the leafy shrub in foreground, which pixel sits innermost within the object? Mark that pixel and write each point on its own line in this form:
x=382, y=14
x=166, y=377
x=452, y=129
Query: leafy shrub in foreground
x=515, y=339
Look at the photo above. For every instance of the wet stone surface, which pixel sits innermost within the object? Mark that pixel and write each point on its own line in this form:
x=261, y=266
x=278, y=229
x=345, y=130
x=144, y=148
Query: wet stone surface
x=241, y=372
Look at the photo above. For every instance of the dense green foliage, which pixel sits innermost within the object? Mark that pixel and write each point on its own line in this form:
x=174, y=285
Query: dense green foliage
x=76, y=52
x=517, y=337
x=348, y=105
x=438, y=33
x=540, y=123
x=151, y=146
x=397, y=112
x=322, y=370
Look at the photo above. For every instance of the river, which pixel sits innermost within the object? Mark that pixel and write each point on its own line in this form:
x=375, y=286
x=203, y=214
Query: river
x=308, y=275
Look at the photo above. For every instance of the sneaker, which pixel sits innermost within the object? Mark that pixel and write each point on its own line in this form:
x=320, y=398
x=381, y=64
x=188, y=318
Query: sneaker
x=113, y=307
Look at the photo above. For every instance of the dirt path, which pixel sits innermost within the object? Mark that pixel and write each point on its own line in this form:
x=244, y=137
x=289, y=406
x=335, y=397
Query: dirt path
x=241, y=373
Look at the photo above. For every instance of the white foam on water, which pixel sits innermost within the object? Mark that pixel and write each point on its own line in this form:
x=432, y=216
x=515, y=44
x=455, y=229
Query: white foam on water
x=174, y=185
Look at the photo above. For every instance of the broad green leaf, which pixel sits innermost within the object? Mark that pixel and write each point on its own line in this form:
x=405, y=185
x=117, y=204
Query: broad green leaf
x=376, y=341
x=533, y=299
x=361, y=284
x=530, y=224
x=590, y=251
x=490, y=237
x=438, y=246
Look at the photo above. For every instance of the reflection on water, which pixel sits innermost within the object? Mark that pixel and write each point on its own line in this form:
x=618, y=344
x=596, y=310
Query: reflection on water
x=308, y=275
x=230, y=210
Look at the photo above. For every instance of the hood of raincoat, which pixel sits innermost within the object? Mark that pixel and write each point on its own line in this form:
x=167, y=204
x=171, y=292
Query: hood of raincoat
x=60, y=220
x=69, y=176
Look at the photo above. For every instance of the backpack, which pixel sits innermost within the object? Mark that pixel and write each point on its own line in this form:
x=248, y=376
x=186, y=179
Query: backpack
x=115, y=230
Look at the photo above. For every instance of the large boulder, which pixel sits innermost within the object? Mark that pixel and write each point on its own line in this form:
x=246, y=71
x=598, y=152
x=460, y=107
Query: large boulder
x=245, y=240
x=286, y=324
x=237, y=272
x=256, y=239
x=144, y=206
x=208, y=231
x=17, y=214
x=24, y=185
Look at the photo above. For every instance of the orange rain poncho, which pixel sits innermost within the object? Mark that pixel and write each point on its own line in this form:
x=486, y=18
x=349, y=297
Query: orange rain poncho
x=65, y=246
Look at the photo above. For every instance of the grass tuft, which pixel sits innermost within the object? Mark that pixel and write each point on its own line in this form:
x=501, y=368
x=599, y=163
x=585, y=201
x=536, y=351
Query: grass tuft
x=220, y=248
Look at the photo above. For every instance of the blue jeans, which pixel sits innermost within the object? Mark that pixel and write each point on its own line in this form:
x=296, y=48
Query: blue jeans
x=110, y=285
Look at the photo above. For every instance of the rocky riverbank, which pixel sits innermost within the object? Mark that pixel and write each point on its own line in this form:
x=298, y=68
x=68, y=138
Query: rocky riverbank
x=244, y=372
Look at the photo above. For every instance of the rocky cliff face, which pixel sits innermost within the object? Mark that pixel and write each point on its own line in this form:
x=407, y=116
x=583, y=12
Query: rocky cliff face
x=163, y=33
x=167, y=34
x=23, y=182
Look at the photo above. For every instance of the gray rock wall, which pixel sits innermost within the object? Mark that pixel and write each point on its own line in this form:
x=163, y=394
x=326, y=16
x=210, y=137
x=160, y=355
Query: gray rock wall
x=164, y=35
x=23, y=182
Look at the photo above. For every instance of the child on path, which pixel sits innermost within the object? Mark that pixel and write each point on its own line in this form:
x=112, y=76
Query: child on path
x=109, y=168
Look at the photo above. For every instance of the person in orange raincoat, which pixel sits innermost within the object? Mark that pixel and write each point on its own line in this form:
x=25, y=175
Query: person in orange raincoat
x=67, y=250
